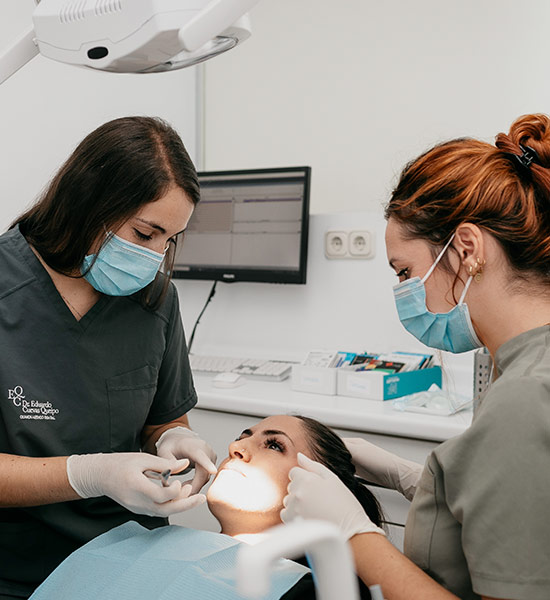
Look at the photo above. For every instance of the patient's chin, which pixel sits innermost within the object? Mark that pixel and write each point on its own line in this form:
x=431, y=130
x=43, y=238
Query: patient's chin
x=235, y=521
x=244, y=506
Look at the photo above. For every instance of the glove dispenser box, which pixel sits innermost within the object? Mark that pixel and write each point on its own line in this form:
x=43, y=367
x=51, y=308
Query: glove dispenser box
x=372, y=385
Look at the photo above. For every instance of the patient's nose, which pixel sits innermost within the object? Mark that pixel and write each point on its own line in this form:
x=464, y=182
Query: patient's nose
x=239, y=450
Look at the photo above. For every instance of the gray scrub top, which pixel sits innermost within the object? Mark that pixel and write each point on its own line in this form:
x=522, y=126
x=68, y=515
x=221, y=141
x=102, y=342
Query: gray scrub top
x=76, y=387
x=479, y=522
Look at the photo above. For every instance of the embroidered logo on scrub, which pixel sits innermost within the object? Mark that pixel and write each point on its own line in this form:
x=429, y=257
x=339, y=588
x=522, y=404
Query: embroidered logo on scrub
x=31, y=409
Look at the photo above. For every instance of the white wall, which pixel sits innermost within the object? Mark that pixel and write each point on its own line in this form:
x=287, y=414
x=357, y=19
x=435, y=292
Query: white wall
x=345, y=305
x=356, y=88
x=354, y=92
x=47, y=108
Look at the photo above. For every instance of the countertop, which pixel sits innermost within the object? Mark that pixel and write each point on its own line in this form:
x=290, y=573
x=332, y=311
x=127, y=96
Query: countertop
x=264, y=398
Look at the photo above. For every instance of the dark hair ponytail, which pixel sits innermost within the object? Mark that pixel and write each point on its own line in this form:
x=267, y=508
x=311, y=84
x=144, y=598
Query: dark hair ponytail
x=329, y=449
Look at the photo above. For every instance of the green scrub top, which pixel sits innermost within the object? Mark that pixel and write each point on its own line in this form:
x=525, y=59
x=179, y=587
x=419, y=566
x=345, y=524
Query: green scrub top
x=478, y=523
x=77, y=387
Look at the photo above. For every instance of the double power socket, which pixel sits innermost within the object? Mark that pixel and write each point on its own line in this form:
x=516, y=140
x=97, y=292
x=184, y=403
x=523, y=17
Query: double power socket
x=349, y=244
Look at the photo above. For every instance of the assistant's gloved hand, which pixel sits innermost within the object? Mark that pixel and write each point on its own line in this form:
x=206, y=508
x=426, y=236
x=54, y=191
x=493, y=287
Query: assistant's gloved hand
x=120, y=476
x=180, y=442
x=315, y=492
x=384, y=468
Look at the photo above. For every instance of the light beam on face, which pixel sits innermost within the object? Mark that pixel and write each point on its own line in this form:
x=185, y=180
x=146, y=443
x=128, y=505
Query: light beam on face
x=246, y=497
x=244, y=487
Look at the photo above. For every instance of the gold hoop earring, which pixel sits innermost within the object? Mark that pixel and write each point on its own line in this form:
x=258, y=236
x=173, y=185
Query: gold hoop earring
x=476, y=273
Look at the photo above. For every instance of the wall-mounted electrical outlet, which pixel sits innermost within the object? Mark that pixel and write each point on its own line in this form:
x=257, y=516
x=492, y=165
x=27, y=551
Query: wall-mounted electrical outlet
x=359, y=243
x=336, y=244
x=349, y=244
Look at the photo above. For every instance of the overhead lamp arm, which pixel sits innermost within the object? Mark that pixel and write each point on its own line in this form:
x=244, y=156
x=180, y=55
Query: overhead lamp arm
x=18, y=55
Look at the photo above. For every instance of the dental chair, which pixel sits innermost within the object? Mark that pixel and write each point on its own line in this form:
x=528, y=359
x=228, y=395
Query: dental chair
x=328, y=554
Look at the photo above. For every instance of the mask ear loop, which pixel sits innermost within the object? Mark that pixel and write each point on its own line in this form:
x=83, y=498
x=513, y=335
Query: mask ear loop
x=440, y=255
x=463, y=295
x=107, y=238
x=108, y=235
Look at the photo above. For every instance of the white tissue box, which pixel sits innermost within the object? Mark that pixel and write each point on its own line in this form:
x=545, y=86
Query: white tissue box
x=317, y=380
x=376, y=385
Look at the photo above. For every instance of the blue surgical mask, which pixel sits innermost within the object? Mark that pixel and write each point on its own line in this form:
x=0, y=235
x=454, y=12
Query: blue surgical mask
x=452, y=331
x=121, y=268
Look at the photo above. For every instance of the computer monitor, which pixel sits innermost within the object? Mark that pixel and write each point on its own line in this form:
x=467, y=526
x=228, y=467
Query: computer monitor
x=249, y=226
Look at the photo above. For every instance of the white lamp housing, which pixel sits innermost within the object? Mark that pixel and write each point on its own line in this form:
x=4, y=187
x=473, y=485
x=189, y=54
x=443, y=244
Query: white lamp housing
x=329, y=555
x=131, y=36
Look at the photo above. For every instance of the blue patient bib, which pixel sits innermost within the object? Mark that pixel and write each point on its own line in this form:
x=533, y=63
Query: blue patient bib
x=131, y=562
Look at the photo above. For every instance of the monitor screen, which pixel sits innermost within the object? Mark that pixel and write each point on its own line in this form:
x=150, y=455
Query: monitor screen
x=249, y=226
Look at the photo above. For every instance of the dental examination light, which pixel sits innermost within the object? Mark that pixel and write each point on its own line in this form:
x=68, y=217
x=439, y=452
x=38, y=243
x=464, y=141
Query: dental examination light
x=328, y=553
x=130, y=36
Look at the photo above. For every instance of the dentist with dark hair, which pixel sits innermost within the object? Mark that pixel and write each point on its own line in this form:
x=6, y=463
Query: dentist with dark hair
x=95, y=373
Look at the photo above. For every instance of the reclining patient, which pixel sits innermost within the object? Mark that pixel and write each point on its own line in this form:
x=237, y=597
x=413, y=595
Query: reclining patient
x=246, y=497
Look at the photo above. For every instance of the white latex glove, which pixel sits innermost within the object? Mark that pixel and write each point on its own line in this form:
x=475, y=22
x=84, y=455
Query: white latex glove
x=120, y=476
x=384, y=468
x=180, y=442
x=315, y=492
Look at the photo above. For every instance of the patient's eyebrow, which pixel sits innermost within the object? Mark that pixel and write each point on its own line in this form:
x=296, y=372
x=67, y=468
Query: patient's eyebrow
x=266, y=432
x=277, y=432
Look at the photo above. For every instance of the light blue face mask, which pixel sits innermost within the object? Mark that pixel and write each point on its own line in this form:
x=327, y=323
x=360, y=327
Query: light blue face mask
x=121, y=268
x=452, y=331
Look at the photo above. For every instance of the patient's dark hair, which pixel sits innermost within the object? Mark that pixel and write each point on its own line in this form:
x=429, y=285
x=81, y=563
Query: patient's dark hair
x=329, y=449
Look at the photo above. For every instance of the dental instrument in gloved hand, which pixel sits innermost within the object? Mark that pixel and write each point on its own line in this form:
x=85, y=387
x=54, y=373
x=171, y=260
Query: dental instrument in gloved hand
x=121, y=476
x=315, y=492
x=384, y=468
x=162, y=477
x=180, y=442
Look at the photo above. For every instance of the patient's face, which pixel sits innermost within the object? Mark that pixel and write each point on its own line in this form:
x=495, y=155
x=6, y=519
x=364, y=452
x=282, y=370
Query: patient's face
x=247, y=493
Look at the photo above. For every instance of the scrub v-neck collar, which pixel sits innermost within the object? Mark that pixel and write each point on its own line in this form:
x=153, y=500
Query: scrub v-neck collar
x=48, y=286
